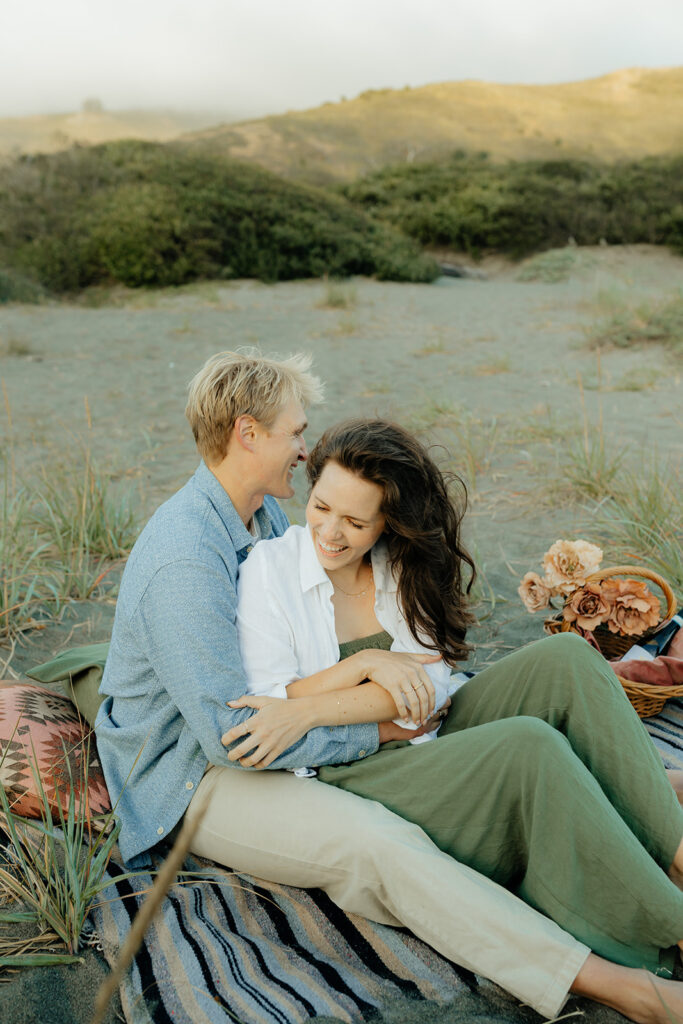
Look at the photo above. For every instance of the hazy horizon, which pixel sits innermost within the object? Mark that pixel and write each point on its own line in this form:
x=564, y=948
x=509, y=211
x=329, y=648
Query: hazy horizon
x=197, y=111
x=235, y=60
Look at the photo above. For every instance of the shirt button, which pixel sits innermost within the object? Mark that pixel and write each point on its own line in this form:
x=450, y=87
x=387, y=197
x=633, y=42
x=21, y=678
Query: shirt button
x=362, y=753
x=189, y=785
x=160, y=830
x=250, y=548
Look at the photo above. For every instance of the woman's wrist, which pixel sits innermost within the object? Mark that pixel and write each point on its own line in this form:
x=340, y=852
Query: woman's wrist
x=309, y=708
x=362, y=664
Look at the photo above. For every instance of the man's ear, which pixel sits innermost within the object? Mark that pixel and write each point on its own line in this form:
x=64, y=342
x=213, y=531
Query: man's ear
x=245, y=431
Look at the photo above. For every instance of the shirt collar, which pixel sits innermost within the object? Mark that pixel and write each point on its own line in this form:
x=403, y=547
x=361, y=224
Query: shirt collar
x=220, y=499
x=312, y=574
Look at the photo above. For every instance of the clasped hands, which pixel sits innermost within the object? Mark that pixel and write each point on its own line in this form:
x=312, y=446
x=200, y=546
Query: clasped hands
x=278, y=723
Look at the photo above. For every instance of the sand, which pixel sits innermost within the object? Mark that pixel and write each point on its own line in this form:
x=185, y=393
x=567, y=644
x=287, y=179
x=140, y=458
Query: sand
x=497, y=370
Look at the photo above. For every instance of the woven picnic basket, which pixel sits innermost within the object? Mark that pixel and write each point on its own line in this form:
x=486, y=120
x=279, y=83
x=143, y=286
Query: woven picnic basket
x=646, y=698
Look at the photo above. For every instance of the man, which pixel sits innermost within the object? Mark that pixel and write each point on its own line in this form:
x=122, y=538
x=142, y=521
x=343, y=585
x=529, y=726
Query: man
x=174, y=665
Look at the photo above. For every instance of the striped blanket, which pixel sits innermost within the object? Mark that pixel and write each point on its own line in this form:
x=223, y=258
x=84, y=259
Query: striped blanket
x=239, y=949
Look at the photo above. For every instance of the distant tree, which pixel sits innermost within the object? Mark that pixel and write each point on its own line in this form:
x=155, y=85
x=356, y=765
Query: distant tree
x=92, y=106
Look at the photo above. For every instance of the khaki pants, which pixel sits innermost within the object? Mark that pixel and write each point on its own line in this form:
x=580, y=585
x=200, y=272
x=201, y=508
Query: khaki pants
x=373, y=863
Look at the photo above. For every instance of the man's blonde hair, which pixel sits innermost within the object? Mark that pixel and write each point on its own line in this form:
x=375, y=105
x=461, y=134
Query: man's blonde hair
x=233, y=384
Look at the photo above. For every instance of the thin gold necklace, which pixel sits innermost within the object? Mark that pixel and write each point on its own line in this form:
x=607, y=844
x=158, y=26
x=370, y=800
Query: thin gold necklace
x=360, y=592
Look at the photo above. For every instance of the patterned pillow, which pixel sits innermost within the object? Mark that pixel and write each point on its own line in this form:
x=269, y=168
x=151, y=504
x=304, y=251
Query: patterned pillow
x=43, y=728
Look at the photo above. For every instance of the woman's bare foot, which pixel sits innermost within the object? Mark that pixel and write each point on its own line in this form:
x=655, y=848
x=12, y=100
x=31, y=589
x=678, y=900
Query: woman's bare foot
x=637, y=994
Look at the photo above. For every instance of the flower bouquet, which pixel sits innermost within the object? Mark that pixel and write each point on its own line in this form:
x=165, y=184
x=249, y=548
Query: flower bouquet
x=611, y=613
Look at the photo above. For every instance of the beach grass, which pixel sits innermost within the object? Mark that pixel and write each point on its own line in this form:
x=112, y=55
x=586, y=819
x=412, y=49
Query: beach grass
x=648, y=323
x=339, y=295
x=642, y=521
x=470, y=441
x=52, y=868
x=59, y=538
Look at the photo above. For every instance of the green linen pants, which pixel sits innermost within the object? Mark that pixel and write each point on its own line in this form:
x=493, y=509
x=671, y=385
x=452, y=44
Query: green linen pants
x=544, y=779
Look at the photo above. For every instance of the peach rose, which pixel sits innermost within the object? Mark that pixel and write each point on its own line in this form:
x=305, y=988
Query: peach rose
x=568, y=562
x=534, y=592
x=633, y=608
x=586, y=607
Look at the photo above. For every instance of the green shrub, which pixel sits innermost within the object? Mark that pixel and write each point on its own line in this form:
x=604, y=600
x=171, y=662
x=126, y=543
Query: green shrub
x=17, y=288
x=146, y=214
x=469, y=204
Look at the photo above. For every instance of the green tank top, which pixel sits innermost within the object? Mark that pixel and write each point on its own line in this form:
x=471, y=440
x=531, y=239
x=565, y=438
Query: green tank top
x=376, y=641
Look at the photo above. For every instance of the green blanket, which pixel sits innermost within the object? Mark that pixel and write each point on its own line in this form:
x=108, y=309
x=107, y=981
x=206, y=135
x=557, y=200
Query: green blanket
x=80, y=670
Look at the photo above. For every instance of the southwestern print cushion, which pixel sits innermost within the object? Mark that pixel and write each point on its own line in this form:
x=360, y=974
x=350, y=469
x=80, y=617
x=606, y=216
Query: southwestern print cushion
x=42, y=728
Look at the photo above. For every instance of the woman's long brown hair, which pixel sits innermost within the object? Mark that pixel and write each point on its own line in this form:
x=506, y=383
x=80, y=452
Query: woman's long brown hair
x=422, y=526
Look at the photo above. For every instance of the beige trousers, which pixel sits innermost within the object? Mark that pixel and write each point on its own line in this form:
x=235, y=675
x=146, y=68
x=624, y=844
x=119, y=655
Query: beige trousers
x=373, y=863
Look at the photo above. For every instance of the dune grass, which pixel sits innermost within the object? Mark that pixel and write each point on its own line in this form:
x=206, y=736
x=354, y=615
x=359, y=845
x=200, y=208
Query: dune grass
x=635, y=513
x=470, y=442
x=52, y=869
x=339, y=295
x=642, y=522
x=59, y=538
x=658, y=323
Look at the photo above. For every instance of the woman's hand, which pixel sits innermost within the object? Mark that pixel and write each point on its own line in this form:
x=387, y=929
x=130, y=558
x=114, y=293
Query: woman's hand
x=390, y=731
x=404, y=678
x=275, y=727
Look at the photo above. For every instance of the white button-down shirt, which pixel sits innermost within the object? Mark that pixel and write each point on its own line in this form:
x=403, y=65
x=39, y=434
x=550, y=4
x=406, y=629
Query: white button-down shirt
x=285, y=617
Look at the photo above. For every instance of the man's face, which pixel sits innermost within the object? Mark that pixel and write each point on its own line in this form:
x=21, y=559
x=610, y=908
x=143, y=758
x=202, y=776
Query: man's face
x=281, y=448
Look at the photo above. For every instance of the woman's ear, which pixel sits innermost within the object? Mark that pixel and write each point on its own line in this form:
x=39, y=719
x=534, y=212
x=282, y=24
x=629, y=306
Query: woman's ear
x=245, y=431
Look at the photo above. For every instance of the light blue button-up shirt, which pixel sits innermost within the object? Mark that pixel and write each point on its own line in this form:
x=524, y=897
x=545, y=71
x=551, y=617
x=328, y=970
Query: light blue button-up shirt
x=174, y=662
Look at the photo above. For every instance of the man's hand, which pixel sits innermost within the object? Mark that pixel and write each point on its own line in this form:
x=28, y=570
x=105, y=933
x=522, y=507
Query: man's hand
x=390, y=731
x=275, y=727
x=405, y=680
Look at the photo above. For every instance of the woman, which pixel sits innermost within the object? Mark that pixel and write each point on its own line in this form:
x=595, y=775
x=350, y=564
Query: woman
x=542, y=776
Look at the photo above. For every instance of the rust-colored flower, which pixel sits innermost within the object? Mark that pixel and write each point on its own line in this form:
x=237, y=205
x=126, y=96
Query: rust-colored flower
x=587, y=607
x=633, y=608
x=534, y=592
x=568, y=562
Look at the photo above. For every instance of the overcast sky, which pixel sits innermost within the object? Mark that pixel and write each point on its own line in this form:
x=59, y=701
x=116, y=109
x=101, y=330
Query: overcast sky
x=269, y=56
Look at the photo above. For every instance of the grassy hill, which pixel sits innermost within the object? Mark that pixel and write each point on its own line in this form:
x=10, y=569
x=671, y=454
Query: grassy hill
x=48, y=133
x=625, y=115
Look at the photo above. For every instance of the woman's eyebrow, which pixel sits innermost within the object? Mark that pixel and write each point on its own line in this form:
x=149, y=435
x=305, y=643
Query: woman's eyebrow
x=347, y=515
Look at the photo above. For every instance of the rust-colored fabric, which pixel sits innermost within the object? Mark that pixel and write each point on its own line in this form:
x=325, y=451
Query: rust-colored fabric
x=41, y=728
x=661, y=671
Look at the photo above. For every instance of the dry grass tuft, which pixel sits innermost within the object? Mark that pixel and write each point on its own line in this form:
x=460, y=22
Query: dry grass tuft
x=339, y=295
x=650, y=323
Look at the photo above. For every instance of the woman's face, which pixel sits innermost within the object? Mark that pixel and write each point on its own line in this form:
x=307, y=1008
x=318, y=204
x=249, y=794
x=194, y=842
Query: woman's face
x=344, y=515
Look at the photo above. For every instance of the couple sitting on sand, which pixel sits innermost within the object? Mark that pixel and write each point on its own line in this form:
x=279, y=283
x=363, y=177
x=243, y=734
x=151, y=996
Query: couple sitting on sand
x=536, y=840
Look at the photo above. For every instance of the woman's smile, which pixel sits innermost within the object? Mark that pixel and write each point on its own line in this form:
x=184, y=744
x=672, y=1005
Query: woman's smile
x=343, y=514
x=330, y=549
